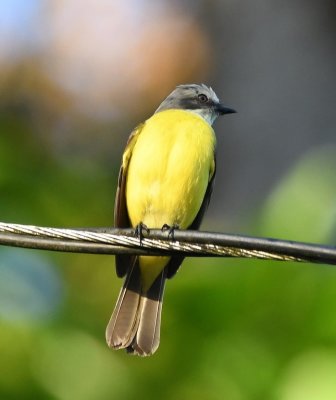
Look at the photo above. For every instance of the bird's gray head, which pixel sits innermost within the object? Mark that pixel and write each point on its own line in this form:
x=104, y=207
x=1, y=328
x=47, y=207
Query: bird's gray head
x=199, y=99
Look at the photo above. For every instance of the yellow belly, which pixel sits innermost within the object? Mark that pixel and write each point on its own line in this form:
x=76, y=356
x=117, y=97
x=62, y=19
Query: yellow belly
x=168, y=174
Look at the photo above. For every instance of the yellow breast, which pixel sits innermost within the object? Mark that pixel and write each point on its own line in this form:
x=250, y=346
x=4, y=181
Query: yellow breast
x=169, y=169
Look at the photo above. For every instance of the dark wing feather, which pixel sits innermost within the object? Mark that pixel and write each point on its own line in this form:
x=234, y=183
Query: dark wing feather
x=176, y=261
x=121, y=218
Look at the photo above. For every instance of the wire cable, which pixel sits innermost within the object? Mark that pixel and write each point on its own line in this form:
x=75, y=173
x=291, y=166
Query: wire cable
x=188, y=243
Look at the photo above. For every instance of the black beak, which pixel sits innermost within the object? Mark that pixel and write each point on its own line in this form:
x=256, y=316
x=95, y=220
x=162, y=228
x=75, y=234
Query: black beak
x=221, y=109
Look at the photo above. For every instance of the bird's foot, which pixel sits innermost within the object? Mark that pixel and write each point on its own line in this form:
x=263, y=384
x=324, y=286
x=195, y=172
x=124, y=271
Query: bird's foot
x=171, y=229
x=139, y=231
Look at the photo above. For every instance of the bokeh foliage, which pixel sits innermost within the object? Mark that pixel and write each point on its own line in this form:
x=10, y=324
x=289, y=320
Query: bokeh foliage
x=240, y=329
x=232, y=329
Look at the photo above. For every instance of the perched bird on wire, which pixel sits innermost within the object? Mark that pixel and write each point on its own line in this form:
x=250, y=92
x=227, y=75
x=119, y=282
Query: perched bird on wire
x=165, y=182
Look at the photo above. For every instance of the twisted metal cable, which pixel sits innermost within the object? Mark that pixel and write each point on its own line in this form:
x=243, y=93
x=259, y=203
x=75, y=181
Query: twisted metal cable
x=188, y=243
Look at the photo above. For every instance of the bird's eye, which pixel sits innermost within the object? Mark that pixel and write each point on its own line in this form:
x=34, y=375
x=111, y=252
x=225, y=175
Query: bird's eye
x=202, y=98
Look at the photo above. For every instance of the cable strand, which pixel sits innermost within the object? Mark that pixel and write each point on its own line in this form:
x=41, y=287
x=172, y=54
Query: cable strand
x=188, y=243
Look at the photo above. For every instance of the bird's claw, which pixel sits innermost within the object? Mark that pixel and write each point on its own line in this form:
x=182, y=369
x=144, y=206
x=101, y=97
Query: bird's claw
x=171, y=229
x=139, y=231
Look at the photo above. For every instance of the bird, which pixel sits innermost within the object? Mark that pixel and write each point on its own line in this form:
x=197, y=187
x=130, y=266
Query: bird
x=165, y=182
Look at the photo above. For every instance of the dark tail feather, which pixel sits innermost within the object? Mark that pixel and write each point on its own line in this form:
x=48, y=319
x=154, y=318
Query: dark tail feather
x=135, y=322
x=124, y=321
x=147, y=338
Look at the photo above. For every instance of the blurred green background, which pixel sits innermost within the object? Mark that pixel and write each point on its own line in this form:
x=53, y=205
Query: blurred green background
x=75, y=78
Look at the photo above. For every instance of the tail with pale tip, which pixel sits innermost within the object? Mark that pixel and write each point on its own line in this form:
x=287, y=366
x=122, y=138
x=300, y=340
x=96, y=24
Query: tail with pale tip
x=135, y=322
